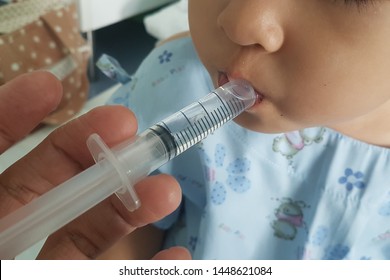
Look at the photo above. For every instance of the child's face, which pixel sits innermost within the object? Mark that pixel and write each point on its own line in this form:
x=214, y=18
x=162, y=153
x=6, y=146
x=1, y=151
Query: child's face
x=315, y=62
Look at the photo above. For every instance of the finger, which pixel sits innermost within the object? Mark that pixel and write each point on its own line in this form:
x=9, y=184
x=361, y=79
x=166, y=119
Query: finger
x=24, y=102
x=174, y=253
x=98, y=229
x=62, y=155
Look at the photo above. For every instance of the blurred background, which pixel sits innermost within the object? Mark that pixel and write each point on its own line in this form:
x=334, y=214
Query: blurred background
x=127, y=30
x=124, y=29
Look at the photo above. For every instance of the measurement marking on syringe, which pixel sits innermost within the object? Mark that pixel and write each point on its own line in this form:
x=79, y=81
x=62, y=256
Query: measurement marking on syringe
x=195, y=139
x=177, y=138
x=189, y=122
x=225, y=105
x=215, y=119
x=207, y=113
x=224, y=116
x=231, y=108
x=199, y=131
x=189, y=138
x=196, y=129
x=232, y=105
x=235, y=101
x=220, y=116
x=228, y=109
x=236, y=105
x=207, y=119
x=206, y=128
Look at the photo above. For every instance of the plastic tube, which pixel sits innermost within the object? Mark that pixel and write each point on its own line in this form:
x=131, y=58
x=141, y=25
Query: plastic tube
x=118, y=169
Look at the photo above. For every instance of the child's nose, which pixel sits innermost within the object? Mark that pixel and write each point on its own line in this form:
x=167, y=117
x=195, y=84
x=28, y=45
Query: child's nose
x=252, y=22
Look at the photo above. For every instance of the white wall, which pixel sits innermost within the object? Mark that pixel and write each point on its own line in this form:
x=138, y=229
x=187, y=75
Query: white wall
x=99, y=13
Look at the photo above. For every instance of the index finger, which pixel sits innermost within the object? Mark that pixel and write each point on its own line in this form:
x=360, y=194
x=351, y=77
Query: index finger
x=24, y=102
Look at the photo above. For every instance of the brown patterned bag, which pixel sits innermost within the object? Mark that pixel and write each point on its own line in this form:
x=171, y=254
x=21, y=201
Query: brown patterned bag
x=44, y=34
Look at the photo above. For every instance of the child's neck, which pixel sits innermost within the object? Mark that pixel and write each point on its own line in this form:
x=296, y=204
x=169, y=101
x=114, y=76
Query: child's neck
x=373, y=128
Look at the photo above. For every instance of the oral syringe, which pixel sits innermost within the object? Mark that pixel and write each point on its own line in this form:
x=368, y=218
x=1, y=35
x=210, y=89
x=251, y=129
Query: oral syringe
x=118, y=169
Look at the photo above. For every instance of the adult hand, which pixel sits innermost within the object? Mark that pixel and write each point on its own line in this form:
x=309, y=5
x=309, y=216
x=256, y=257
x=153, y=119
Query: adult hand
x=24, y=102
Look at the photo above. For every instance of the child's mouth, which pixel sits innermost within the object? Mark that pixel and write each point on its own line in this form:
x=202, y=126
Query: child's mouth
x=223, y=78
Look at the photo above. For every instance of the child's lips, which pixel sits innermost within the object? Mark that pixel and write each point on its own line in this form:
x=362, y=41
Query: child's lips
x=223, y=78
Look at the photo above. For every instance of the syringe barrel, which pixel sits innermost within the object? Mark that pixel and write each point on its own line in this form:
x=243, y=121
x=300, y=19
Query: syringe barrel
x=172, y=136
x=119, y=168
x=138, y=157
x=142, y=154
x=196, y=121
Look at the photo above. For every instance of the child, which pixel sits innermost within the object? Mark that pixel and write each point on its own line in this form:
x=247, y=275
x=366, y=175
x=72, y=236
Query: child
x=303, y=174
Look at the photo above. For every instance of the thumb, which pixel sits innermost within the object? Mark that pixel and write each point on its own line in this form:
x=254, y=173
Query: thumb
x=174, y=253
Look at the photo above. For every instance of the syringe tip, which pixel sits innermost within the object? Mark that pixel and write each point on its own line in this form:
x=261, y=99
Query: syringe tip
x=242, y=90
